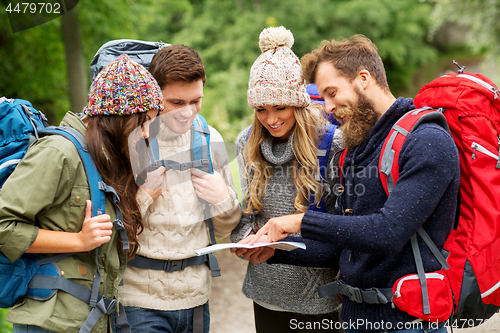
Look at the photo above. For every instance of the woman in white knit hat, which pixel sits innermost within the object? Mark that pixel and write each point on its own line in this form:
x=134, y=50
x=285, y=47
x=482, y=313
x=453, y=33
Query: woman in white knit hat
x=280, y=172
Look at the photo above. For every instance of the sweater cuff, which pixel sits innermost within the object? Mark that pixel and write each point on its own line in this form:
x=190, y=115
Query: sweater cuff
x=225, y=205
x=144, y=200
x=313, y=226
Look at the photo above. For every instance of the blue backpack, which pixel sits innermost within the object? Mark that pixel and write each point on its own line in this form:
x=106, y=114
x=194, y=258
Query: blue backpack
x=36, y=276
x=20, y=125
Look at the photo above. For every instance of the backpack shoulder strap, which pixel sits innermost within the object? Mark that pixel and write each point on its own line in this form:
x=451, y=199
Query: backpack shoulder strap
x=389, y=156
x=201, y=144
x=324, y=147
x=248, y=133
x=96, y=195
x=200, y=149
x=98, y=188
x=341, y=162
x=323, y=152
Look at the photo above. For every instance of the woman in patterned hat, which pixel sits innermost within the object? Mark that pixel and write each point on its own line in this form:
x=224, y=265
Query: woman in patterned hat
x=280, y=171
x=46, y=205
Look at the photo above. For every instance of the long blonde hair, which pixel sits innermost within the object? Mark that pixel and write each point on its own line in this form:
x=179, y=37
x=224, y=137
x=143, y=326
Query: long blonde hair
x=308, y=129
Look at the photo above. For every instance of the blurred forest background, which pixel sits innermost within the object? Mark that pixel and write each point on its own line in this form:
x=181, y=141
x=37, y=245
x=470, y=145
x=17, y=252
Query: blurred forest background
x=417, y=40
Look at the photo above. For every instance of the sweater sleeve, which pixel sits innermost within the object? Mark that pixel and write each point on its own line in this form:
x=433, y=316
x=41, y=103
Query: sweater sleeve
x=316, y=254
x=428, y=165
x=225, y=214
x=244, y=226
x=144, y=200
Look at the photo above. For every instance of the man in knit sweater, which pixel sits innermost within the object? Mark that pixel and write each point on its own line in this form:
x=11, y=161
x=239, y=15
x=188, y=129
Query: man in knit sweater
x=372, y=229
x=160, y=300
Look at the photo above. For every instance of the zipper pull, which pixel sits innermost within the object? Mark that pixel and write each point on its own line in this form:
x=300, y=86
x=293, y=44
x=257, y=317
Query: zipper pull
x=474, y=152
x=461, y=69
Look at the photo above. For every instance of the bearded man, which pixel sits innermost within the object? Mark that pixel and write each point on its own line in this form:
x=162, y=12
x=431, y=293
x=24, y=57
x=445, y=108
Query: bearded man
x=372, y=229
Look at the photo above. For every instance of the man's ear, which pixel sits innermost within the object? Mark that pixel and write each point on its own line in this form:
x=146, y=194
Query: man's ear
x=364, y=78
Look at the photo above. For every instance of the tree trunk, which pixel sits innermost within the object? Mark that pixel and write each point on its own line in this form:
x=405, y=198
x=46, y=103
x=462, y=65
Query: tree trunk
x=75, y=67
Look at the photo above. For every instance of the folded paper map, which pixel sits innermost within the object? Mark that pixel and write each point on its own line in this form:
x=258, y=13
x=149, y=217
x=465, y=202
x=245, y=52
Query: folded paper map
x=288, y=246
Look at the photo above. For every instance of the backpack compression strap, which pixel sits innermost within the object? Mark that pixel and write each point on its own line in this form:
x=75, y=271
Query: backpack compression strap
x=104, y=305
x=389, y=156
x=200, y=151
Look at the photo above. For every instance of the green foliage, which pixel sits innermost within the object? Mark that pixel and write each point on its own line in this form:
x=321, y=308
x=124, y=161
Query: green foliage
x=32, y=65
x=226, y=34
x=5, y=327
x=480, y=18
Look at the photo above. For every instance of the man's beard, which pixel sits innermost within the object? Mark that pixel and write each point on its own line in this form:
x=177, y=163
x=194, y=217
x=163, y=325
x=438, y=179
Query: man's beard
x=361, y=118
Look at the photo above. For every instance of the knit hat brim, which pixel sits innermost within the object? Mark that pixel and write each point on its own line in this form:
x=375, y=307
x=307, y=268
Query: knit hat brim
x=266, y=95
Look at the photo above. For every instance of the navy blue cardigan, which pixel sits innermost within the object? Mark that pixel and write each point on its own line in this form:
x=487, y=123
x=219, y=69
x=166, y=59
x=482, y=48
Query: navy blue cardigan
x=374, y=240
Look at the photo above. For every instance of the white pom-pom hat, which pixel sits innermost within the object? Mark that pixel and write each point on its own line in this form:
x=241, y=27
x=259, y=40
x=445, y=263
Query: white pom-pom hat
x=276, y=76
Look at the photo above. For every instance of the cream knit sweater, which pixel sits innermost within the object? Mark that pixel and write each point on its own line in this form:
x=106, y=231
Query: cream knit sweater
x=174, y=226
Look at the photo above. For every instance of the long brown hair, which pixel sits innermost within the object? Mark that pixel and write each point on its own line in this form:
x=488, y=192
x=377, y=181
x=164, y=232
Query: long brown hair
x=305, y=136
x=107, y=139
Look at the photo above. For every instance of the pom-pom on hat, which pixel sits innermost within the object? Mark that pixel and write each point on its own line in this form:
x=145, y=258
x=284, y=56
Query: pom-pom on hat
x=276, y=76
x=123, y=88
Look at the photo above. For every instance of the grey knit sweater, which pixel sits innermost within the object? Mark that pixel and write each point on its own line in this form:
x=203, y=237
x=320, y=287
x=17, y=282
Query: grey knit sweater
x=284, y=287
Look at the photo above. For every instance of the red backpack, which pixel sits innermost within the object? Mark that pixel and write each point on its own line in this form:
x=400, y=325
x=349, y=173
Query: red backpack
x=471, y=105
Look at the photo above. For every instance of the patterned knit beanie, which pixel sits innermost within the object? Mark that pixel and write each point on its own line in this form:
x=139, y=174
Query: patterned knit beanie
x=276, y=76
x=123, y=88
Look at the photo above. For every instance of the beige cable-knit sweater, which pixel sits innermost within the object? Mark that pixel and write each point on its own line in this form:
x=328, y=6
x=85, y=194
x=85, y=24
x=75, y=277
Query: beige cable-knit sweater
x=174, y=227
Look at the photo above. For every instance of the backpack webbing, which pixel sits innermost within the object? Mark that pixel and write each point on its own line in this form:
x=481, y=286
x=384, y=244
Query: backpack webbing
x=200, y=152
x=100, y=305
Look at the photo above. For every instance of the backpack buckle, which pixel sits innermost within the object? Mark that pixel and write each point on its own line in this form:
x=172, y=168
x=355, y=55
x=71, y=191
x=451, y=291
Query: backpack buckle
x=110, y=305
x=119, y=224
x=175, y=265
x=205, y=162
x=380, y=297
x=355, y=294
